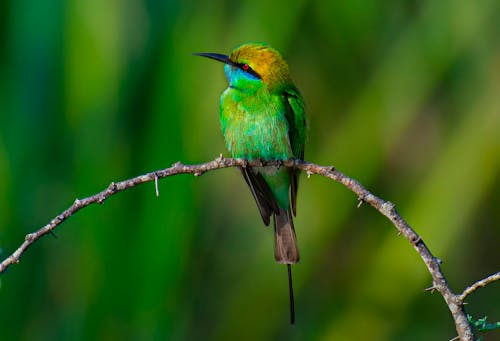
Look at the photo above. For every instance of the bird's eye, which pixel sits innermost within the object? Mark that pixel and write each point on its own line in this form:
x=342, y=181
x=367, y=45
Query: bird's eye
x=245, y=67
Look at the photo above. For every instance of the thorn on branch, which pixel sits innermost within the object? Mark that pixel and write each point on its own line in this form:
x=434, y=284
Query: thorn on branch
x=360, y=202
x=112, y=188
x=430, y=289
x=156, y=185
x=309, y=173
x=53, y=234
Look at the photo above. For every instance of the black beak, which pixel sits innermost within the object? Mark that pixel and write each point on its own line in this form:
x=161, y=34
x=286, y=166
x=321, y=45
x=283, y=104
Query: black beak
x=215, y=56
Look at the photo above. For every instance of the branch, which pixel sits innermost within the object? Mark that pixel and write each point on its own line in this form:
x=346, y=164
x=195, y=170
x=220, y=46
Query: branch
x=454, y=301
x=479, y=284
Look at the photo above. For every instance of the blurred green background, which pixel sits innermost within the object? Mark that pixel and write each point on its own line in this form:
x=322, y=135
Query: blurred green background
x=402, y=95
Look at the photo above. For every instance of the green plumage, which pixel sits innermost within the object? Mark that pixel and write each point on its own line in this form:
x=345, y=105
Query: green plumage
x=262, y=117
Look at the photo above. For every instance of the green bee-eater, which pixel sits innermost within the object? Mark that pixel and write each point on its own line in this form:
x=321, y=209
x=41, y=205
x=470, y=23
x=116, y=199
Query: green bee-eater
x=262, y=117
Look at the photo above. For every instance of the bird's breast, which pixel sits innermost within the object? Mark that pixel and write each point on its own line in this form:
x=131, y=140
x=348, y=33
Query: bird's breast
x=254, y=126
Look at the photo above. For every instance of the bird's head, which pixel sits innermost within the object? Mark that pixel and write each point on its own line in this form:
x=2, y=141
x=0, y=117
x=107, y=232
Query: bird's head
x=253, y=66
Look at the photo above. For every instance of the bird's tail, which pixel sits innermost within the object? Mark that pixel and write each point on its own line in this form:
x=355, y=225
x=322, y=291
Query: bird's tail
x=285, y=242
x=285, y=249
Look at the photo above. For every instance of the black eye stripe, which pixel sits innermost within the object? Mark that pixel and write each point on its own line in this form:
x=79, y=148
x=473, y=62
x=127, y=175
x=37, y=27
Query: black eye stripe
x=248, y=69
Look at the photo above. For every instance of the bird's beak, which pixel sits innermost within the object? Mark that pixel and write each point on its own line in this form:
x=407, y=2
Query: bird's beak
x=215, y=56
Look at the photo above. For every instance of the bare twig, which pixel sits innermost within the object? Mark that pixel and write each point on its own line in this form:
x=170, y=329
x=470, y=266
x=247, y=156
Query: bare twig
x=479, y=284
x=454, y=301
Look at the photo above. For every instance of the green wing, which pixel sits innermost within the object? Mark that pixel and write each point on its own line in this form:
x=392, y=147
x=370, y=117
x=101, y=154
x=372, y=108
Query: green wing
x=296, y=117
x=260, y=189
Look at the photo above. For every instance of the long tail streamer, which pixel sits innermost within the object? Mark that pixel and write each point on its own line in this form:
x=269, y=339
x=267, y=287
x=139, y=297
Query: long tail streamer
x=292, y=301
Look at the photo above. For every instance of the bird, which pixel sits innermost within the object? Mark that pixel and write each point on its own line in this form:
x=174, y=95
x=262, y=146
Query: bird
x=262, y=117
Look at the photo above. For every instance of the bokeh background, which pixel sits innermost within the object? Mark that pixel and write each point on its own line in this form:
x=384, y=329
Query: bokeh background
x=402, y=95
